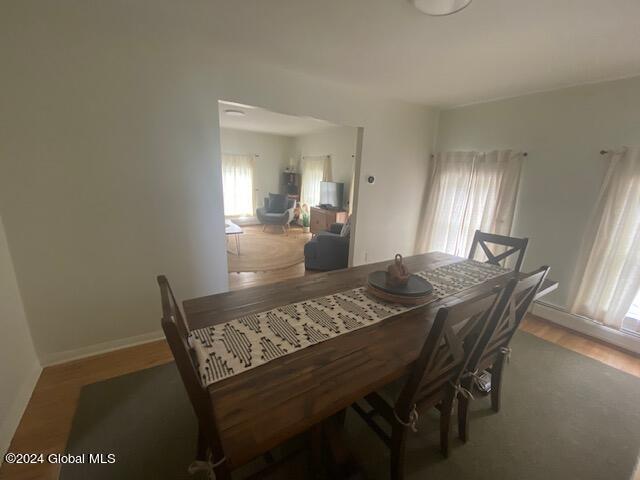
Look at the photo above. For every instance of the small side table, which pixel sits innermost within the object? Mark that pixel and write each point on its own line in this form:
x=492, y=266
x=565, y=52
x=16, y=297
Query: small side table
x=231, y=228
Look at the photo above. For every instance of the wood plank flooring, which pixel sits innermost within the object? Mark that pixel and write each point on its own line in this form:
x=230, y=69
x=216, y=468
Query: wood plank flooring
x=46, y=424
x=252, y=279
x=241, y=280
x=601, y=351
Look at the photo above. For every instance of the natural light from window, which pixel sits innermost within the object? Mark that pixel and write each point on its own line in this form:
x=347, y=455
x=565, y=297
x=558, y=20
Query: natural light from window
x=632, y=320
x=237, y=185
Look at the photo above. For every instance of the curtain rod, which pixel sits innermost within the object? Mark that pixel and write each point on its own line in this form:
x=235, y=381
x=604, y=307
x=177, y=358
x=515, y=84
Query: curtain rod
x=524, y=154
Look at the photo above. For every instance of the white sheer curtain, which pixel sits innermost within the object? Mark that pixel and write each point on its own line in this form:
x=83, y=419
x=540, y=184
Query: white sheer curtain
x=469, y=191
x=237, y=185
x=609, y=267
x=315, y=169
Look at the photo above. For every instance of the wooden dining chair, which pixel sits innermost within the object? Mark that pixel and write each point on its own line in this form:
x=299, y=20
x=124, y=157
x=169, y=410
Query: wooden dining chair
x=513, y=246
x=434, y=377
x=493, y=349
x=209, y=449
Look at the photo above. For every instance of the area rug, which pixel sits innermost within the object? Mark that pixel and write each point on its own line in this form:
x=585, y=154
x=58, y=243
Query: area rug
x=564, y=416
x=265, y=251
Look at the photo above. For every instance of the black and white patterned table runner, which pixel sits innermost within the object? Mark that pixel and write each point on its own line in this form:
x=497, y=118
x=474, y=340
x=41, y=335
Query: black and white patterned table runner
x=247, y=342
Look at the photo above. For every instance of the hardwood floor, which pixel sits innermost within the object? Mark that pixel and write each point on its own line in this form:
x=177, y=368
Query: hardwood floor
x=239, y=280
x=266, y=251
x=46, y=423
x=590, y=347
x=252, y=279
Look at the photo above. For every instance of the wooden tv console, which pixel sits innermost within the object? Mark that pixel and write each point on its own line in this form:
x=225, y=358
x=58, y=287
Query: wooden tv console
x=322, y=219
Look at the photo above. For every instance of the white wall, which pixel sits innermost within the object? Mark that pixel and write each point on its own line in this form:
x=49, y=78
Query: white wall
x=340, y=143
x=19, y=365
x=563, y=131
x=274, y=152
x=110, y=162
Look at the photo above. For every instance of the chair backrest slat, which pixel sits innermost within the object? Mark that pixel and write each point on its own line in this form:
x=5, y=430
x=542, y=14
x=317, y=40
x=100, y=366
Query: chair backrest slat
x=177, y=333
x=517, y=246
x=452, y=339
x=499, y=334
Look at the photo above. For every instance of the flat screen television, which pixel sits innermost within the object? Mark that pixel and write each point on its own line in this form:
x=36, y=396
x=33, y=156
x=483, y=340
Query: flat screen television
x=331, y=194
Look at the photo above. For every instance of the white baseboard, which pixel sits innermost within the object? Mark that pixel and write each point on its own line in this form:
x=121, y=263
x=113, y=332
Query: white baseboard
x=587, y=327
x=98, y=348
x=14, y=415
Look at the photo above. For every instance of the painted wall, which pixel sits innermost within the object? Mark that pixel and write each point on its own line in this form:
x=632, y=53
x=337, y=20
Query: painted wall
x=110, y=162
x=340, y=143
x=563, y=131
x=19, y=365
x=274, y=152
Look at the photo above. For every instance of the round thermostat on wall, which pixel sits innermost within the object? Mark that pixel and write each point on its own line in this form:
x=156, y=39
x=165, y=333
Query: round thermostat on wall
x=371, y=179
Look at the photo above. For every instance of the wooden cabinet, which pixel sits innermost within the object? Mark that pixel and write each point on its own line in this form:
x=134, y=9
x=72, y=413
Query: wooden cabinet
x=322, y=219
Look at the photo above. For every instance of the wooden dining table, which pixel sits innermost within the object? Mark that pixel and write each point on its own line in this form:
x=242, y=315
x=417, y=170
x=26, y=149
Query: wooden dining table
x=260, y=408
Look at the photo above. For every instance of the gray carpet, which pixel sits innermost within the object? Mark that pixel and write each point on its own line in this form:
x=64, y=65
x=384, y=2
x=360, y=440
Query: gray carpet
x=564, y=416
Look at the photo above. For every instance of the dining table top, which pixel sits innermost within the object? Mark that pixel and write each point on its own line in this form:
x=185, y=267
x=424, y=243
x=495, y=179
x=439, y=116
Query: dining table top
x=260, y=408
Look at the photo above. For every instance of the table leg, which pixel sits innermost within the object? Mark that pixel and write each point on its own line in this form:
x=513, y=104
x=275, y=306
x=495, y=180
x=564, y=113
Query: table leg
x=315, y=451
x=237, y=244
x=340, y=460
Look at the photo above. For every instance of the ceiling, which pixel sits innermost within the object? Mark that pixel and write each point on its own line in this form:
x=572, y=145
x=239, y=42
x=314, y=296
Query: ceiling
x=260, y=120
x=492, y=49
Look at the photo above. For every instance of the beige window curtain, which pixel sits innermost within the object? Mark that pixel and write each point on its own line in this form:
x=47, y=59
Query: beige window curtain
x=315, y=169
x=608, y=273
x=237, y=185
x=469, y=191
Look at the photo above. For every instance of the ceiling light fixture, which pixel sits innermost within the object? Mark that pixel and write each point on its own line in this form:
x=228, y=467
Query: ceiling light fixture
x=236, y=104
x=235, y=113
x=438, y=8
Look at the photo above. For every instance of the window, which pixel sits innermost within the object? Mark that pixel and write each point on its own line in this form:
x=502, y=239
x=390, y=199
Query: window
x=608, y=273
x=237, y=185
x=315, y=169
x=469, y=191
x=631, y=323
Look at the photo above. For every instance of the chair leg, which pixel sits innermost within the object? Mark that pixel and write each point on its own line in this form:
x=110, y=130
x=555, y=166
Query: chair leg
x=496, y=382
x=398, y=447
x=264, y=227
x=202, y=447
x=463, y=414
x=222, y=472
x=445, y=421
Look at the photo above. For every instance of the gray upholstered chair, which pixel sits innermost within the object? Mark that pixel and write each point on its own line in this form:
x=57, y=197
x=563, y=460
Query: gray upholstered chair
x=281, y=215
x=327, y=250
